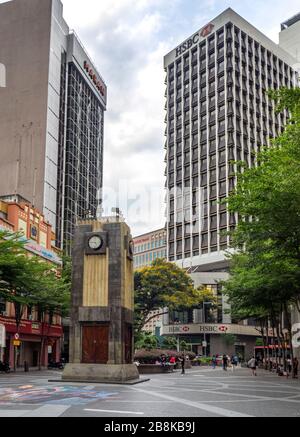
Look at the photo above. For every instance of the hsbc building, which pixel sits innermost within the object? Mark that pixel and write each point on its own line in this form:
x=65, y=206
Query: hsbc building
x=217, y=112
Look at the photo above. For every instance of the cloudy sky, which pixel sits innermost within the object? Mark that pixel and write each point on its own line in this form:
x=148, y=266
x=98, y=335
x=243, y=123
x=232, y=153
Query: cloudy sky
x=127, y=39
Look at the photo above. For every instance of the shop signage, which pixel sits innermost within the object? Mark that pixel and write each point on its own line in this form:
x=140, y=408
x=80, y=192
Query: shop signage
x=2, y=336
x=98, y=84
x=195, y=39
x=217, y=329
x=27, y=327
x=35, y=248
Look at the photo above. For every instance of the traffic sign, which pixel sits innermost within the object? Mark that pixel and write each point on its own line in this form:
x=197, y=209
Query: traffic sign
x=17, y=336
x=17, y=343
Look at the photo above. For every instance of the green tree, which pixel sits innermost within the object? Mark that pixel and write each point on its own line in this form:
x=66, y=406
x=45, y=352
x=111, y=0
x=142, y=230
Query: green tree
x=163, y=285
x=265, y=269
x=29, y=281
x=146, y=341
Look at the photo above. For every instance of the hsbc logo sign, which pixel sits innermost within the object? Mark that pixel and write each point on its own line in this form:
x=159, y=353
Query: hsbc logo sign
x=195, y=39
x=207, y=30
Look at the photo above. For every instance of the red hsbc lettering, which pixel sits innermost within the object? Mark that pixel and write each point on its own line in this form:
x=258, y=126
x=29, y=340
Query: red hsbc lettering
x=93, y=76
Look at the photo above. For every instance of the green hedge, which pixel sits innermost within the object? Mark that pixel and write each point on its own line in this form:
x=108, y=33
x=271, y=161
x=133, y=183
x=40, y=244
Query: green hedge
x=202, y=360
x=151, y=356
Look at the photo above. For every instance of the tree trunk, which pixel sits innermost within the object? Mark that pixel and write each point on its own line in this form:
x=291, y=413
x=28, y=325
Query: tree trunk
x=42, y=339
x=289, y=328
x=19, y=310
x=267, y=339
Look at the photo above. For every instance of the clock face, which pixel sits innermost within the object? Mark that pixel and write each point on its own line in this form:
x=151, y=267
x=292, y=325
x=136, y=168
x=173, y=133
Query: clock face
x=95, y=242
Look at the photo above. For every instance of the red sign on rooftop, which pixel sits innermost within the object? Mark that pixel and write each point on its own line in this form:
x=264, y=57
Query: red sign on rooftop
x=207, y=30
x=98, y=83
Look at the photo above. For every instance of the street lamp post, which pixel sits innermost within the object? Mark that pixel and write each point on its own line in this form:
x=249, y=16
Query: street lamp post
x=203, y=318
x=204, y=335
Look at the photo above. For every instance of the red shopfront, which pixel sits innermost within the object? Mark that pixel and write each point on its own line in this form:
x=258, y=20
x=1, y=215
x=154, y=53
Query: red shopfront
x=31, y=335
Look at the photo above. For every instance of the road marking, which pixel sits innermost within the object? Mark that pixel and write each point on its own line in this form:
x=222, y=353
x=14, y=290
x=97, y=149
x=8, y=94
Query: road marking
x=48, y=411
x=262, y=398
x=113, y=411
x=211, y=409
x=128, y=401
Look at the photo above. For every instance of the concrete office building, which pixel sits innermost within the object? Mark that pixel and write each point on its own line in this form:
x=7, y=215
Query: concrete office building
x=217, y=112
x=289, y=37
x=148, y=247
x=51, y=115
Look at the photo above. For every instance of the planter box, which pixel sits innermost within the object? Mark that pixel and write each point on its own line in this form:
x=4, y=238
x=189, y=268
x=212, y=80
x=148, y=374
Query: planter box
x=149, y=369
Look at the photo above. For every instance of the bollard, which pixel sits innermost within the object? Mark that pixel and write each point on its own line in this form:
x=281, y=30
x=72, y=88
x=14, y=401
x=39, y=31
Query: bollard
x=26, y=368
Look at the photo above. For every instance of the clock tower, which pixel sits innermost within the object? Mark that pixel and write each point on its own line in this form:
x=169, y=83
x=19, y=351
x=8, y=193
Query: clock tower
x=101, y=331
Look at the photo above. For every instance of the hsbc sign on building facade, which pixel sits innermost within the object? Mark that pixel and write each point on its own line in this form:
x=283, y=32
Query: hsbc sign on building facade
x=195, y=39
x=97, y=82
x=216, y=329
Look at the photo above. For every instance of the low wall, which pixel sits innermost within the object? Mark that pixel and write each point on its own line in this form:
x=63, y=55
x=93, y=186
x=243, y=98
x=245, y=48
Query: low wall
x=149, y=369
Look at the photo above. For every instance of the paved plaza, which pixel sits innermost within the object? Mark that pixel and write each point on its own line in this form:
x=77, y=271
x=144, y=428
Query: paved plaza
x=202, y=392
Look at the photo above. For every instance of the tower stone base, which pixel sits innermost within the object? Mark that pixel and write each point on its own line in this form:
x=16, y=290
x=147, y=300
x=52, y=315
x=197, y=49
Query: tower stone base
x=106, y=373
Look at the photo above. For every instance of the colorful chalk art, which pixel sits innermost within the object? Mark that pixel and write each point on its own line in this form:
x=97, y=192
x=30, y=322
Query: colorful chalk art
x=49, y=394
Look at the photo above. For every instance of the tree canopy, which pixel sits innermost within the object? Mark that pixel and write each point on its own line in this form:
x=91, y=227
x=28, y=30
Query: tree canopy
x=27, y=280
x=265, y=268
x=164, y=285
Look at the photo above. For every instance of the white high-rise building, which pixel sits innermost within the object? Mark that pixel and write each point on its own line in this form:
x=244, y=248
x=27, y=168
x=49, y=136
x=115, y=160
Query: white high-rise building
x=217, y=112
x=289, y=37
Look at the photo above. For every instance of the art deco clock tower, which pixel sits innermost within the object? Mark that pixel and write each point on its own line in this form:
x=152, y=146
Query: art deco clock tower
x=101, y=331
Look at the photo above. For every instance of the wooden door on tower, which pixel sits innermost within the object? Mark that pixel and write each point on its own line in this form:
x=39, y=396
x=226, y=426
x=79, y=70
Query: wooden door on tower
x=95, y=344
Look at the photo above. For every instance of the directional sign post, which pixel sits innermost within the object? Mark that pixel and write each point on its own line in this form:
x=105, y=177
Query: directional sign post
x=16, y=343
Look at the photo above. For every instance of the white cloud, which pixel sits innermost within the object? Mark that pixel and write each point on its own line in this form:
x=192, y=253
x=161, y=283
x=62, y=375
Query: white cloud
x=127, y=39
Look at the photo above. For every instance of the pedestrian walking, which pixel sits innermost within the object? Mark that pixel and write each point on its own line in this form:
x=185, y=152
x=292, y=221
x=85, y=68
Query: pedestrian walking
x=253, y=364
x=236, y=360
x=295, y=367
x=225, y=362
x=214, y=361
x=182, y=360
x=289, y=367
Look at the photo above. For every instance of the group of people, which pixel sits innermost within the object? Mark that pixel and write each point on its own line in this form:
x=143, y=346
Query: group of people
x=172, y=362
x=290, y=368
x=226, y=361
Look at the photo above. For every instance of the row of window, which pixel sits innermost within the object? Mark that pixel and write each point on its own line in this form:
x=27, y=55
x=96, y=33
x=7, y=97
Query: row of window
x=147, y=246
x=147, y=258
x=185, y=245
x=242, y=42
